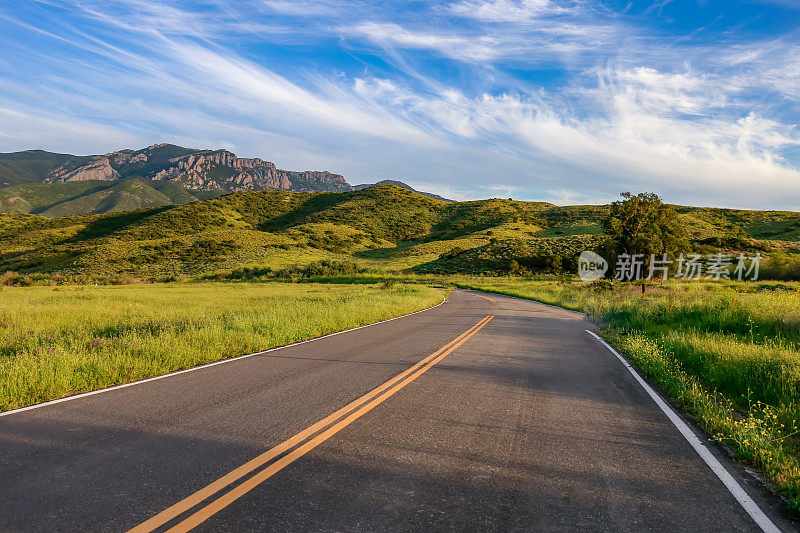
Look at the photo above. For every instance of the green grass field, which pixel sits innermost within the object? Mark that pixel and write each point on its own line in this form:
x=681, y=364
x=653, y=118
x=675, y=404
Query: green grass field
x=728, y=352
x=56, y=341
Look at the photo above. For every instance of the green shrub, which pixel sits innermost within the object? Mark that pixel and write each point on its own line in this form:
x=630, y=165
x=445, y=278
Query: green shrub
x=780, y=265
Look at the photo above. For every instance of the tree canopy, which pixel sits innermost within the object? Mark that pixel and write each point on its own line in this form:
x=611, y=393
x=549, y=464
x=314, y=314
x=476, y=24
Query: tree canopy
x=643, y=224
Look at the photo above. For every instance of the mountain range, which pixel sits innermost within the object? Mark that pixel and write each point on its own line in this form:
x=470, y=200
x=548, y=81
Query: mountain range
x=54, y=184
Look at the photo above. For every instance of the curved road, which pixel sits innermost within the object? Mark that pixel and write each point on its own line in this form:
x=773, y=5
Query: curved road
x=506, y=415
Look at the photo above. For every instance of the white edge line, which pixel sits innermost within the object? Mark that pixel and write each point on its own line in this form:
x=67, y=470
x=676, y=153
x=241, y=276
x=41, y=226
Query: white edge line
x=722, y=473
x=208, y=365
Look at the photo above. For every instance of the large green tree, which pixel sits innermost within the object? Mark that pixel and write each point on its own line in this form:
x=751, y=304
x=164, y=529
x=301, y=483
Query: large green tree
x=643, y=224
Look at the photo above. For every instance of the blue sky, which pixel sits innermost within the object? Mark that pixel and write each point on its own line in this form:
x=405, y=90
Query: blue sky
x=566, y=101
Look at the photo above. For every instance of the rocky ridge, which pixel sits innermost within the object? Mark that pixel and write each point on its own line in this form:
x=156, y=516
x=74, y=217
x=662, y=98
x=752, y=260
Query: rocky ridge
x=207, y=170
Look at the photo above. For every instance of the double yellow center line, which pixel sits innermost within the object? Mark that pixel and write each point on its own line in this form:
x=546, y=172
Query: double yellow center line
x=353, y=410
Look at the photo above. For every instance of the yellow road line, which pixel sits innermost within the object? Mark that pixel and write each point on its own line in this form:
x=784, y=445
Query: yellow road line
x=240, y=490
x=211, y=489
x=485, y=297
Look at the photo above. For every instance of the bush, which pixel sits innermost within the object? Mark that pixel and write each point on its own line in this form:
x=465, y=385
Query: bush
x=780, y=265
x=728, y=242
x=323, y=268
x=15, y=279
x=454, y=252
x=125, y=279
x=248, y=273
x=317, y=269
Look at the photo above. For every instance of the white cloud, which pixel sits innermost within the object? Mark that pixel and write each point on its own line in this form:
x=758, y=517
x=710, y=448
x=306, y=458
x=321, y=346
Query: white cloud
x=479, y=48
x=774, y=64
x=637, y=139
x=637, y=136
x=678, y=93
x=504, y=10
x=303, y=8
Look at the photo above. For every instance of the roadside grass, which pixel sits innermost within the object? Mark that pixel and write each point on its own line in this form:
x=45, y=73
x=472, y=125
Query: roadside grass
x=56, y=341
x=727, y=352
x=545, y=289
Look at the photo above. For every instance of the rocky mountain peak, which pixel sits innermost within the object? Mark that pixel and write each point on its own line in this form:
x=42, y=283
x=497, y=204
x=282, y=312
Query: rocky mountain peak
x=207, y=170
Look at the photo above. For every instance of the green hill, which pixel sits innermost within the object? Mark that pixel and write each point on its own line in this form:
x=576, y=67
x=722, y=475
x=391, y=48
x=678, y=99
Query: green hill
x=35, y=198
x=384, y=228
x=78, y=197
x=31, y=165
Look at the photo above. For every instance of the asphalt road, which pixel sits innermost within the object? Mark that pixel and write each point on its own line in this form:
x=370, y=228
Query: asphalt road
x=525, y=423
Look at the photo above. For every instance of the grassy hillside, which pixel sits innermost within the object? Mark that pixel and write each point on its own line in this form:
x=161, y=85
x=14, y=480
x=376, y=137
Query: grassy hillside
x=382, y=228
x=128, y=195
x=31, y=165
x=72, y=198
x=36, y=198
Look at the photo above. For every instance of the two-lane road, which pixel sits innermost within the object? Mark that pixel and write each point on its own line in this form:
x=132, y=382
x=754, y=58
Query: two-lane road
x=483, y=413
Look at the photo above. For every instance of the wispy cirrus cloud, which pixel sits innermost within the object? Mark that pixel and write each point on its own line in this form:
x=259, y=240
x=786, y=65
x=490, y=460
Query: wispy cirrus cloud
x=638, y=135
x=305, y=8
x=453, y=45
x=543, y=99
x=505, y=10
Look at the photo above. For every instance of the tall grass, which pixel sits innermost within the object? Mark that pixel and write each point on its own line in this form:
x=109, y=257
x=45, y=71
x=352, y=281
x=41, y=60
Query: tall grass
x=551, y=291
x=729, y=352
x=56, y=341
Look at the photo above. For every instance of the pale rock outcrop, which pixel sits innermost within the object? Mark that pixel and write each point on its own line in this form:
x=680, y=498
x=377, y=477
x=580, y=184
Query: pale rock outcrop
x=246, y=174
x=99, y=169
x=217, y=170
